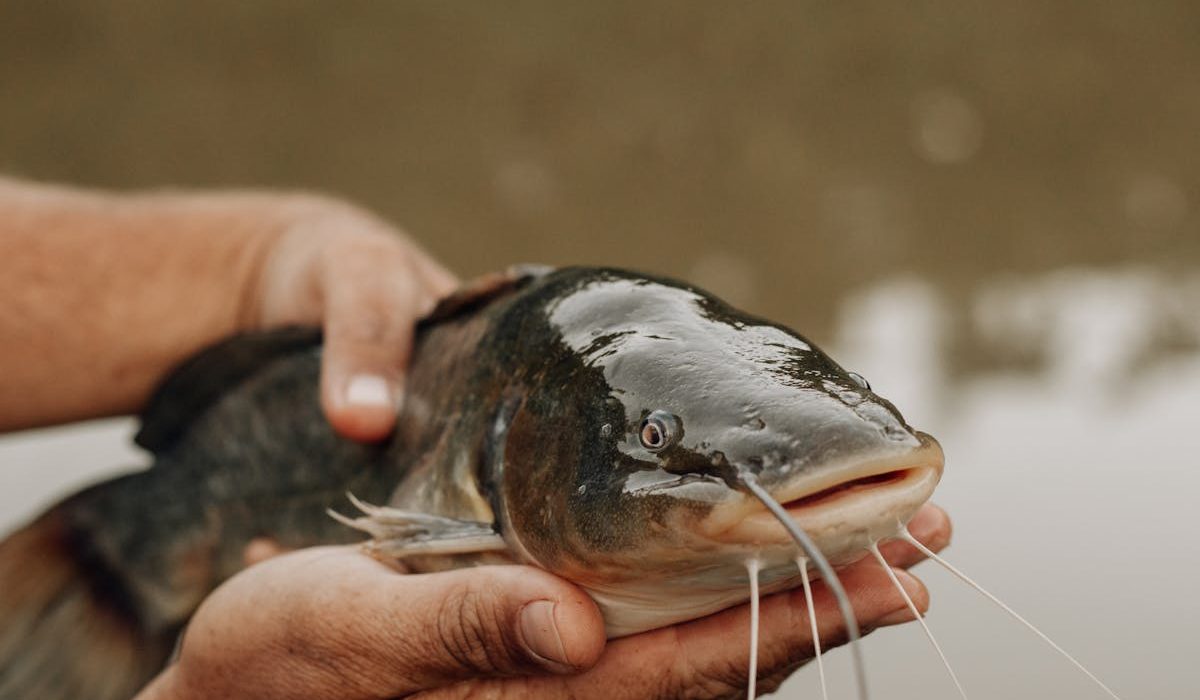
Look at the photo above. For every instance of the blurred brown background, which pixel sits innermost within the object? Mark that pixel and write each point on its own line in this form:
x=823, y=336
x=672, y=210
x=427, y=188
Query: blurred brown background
x=781, y=153
x=991, y=209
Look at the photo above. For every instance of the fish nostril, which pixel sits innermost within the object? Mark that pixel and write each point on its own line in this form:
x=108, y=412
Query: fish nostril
x=756, y=423
x=850, y=396
x=883, y=419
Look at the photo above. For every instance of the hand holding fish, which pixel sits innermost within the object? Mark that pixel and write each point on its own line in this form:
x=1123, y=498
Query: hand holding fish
x=142, y=281
x=333, y=623
x=366, y=284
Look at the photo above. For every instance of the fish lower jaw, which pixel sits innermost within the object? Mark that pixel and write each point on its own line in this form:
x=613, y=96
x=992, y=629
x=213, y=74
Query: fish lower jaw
x=845, y=517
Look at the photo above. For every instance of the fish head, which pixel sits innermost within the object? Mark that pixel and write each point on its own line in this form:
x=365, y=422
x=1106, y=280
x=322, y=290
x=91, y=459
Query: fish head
x=622, y=466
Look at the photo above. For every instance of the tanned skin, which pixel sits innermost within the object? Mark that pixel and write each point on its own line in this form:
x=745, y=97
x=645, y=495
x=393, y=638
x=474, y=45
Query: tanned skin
x=104, y=294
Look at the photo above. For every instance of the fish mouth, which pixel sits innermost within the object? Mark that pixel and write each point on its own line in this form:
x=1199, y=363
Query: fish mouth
x=874, y=495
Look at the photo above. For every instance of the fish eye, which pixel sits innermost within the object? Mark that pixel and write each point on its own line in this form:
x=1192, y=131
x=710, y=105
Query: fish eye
x=859, y=380
x=659, y=430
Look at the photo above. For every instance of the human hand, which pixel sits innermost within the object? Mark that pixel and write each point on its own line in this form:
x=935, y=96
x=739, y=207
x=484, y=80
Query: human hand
x=332, y=623
x=366, y=284
x=108, y=292
x=709, y=658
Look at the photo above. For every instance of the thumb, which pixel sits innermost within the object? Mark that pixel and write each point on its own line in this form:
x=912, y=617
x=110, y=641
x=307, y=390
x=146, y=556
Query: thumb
x=494, y=621
x=331, y=622
x=370, y=313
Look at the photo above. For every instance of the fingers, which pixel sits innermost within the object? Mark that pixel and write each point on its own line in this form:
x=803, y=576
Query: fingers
x=883, y=605
x=931, y=526
x=494, y=621
x=338, y=624
x=701, y=659
x=375, y=291
x=369, y=321
x=709, y=658
x=367, y=284
x=786, y=640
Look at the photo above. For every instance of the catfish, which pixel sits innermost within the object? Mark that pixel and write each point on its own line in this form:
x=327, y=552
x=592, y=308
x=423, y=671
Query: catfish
x=616, y=429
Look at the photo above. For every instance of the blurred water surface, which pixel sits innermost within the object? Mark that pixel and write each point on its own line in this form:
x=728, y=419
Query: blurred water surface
x=1072, y=482
x=991, y=210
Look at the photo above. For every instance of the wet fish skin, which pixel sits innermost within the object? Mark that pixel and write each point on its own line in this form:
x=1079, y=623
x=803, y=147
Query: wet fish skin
x=601, y=349
x=522, y=409
x=241, y=450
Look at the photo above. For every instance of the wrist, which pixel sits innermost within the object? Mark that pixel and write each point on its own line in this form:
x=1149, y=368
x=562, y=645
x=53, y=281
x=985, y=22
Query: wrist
x=108, y=292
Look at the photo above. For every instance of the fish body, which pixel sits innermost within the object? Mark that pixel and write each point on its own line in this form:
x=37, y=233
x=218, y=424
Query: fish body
x=588, y=421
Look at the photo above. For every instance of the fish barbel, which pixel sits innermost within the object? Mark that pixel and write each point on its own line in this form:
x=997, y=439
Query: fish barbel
x=620, y=430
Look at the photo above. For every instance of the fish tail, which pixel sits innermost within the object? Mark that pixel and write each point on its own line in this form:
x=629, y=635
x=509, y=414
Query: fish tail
x=67, y=626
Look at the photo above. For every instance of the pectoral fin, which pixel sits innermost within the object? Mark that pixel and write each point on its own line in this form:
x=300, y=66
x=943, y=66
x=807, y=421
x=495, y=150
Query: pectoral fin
x=401, y=533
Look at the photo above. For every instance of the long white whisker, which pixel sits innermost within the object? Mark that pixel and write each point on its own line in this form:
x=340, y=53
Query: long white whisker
x=853, y=632
x=812, y=621
x=752, y=567
x=1013, y=613
x=917, y=614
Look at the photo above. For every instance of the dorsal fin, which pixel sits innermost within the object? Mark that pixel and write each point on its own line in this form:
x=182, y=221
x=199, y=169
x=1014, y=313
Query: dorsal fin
x=482, y=290
x=196, y=384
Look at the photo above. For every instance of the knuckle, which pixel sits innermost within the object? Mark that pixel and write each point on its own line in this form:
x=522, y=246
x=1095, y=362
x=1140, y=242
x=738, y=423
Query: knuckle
x=328, y=651
x=365, y=323
x=367, y=247
x=771, y=682
x=471, y=632
x=687, y=679
x=370, y=251
x=371, y=323
x=313, y=650
x=372, y=311
x=723, y=681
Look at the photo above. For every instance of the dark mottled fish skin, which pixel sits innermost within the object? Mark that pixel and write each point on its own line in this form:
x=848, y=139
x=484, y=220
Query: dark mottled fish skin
x=150, y=546
x=546, y=448
x=241, y=450
x=521, y=398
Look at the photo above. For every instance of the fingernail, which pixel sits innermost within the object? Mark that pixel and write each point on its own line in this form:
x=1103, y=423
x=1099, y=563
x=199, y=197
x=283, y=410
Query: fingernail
x=902, y=614
x=369, y=390
x=541, y=638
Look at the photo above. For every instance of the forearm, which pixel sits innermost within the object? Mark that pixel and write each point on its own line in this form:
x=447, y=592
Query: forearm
x=102, y=294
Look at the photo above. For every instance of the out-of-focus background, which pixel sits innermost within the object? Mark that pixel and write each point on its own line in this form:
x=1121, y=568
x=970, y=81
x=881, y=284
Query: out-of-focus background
x=991, y=210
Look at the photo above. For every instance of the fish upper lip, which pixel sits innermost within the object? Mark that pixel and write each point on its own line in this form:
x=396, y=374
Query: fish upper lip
x=928, y=455
x=916, y=474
